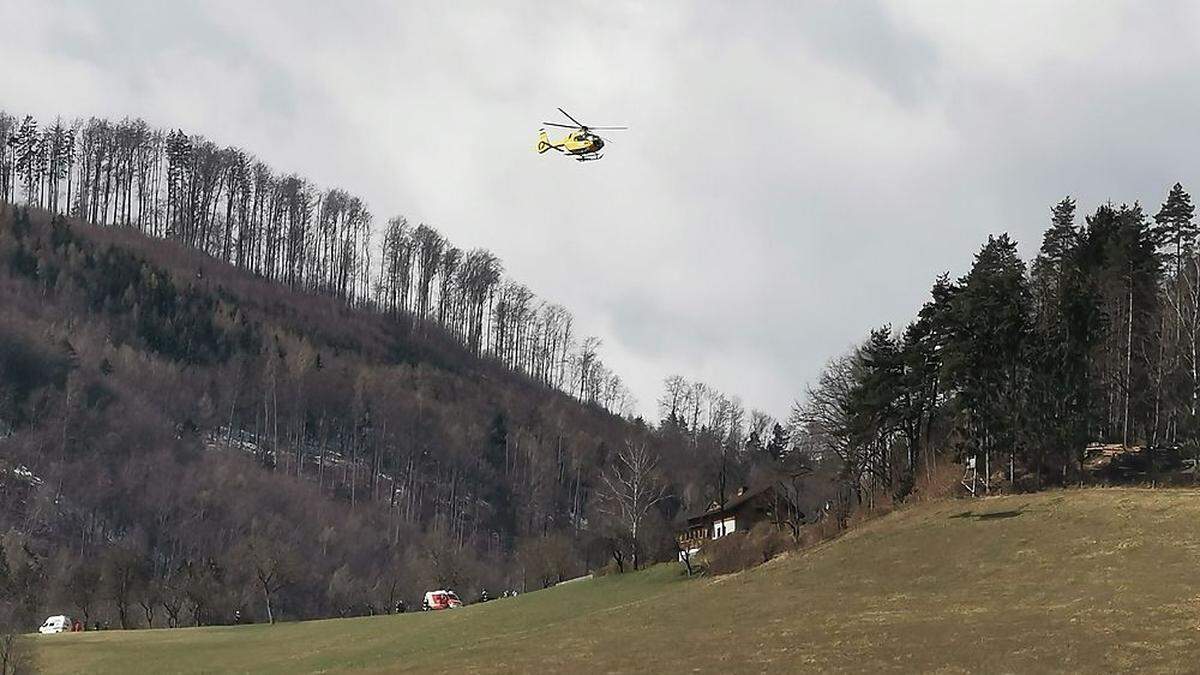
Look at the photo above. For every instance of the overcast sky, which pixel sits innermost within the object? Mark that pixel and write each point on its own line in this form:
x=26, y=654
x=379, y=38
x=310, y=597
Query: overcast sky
x=795, y=173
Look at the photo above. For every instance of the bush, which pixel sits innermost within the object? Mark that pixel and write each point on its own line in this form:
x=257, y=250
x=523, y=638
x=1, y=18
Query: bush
x=743, y=550
x=607, y=569
x=821, y=531
x=15, y=659
x=938, y=480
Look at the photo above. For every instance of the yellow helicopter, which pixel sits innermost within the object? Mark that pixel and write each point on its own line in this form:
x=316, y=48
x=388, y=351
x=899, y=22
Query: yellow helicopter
x=580, y=144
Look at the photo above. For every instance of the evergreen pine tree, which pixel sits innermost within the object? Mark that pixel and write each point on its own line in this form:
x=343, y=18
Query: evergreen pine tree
x=1174, y=228
x=753, y=443
x=873, y=400
x=987, y=348
x=778, y=445
x=1062, y=235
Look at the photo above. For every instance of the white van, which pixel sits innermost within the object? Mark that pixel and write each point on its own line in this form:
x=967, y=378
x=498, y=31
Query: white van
x=59, y=623
x=441, y=600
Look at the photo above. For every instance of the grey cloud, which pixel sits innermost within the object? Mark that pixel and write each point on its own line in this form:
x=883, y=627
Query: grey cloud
x=795, y=173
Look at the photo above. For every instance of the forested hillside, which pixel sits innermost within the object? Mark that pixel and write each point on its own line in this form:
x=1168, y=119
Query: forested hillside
x=217, y=400
x=182, y=441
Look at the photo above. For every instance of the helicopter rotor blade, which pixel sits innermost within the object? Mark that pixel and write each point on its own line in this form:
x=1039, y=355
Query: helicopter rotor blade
x=564, y=126
x=608, y=128
x=577, y=122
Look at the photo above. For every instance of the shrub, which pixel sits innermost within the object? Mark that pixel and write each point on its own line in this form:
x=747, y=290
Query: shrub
x=823, y=530
x=939, y=480
x=607, y=569
x=743, y=550
x=13, y=658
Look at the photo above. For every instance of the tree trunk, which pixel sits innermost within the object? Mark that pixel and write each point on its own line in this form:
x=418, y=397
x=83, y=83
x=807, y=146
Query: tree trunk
x=1128, y=364
x=270, y=610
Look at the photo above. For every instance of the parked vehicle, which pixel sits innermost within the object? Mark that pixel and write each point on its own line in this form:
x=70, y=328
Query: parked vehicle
x=59, y=623
x=441, y=600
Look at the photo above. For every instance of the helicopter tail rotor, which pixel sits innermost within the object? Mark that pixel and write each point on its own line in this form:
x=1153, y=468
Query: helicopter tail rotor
x=543, y=143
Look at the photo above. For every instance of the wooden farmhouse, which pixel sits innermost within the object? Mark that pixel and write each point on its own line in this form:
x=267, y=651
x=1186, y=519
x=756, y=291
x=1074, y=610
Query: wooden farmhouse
x=745, y=510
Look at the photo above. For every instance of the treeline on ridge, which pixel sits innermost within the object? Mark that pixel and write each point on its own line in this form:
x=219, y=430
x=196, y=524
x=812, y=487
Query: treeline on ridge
x=1022, y=367
x=225, y=202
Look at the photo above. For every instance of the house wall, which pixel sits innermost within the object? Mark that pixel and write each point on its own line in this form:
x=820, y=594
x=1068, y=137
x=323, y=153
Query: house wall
x=724, y=526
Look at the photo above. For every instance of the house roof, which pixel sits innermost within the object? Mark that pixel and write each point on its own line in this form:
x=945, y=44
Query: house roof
x=731, y=505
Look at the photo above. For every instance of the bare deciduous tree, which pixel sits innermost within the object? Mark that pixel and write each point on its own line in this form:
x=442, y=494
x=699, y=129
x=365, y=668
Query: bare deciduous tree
x=631, y=487
x=273, y=566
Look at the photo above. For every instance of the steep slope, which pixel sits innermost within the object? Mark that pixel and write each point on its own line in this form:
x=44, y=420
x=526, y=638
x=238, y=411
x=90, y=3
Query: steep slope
x=170, y=427
x=1090, y=580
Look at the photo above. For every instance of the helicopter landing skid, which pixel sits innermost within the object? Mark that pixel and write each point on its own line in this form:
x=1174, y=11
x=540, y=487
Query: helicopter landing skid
x=588, y=158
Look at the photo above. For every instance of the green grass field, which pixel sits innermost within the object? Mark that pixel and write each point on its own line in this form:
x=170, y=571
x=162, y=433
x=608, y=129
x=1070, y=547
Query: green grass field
x=1090, y=580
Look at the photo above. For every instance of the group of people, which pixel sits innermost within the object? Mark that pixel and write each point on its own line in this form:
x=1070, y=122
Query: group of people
x=484, y=597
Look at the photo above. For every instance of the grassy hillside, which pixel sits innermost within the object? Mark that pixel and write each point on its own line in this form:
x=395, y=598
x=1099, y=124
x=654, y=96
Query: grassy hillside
x=1095, y=580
